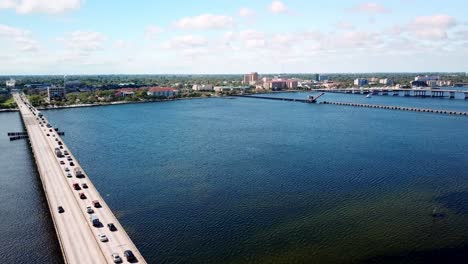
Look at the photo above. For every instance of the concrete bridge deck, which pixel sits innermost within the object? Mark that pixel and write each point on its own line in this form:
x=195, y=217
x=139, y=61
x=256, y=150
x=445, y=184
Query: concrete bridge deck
x=78, y=238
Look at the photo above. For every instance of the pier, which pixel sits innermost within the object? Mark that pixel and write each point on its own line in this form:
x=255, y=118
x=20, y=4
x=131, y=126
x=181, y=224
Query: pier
x=69, y=191
x=401, y=108
x=427, y=92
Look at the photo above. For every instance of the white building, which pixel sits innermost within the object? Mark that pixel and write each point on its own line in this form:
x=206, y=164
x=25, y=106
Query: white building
x=203, y=87
x=361, y=82
x=10, y=83
x=231, y=88
x=386, y=81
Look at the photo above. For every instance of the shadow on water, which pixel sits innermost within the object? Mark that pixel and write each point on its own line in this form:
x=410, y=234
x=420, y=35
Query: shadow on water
x=456, y=201
x=444, y=255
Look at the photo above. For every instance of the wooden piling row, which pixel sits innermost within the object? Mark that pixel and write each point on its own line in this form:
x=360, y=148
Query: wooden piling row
x=401, y=108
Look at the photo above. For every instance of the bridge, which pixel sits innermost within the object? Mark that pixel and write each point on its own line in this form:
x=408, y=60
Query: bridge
x=69, y=191
x=400, y=92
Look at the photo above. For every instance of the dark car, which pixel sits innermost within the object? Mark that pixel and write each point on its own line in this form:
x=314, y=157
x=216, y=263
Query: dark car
x=62, y=162
x=48, y=135
x=84, y=185
x=112, y=227
x=82, y=196
x=129, y=255
x=60, y=209
x=72, y=164
x=61, y=147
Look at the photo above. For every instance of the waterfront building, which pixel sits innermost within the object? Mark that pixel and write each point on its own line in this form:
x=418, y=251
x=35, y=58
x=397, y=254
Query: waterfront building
x=55, y=92
x=418, y=84
x=231, y=88
x=361, y=82
x=316, y=77
x=250, y=78
x=203, y=87
x=386, y=81
x=125, y=92
x=162, y=91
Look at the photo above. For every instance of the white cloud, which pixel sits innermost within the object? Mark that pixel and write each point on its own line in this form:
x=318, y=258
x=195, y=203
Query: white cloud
x=344, y=25
x=440, y=21
x=370, y=8
x=278, y=7
x=41, y=6
x=246, y=12
x=205, y=21
x=122, y=44
x=185, y=42
x=84, y=42
x=22, y=39
x=433, y=27
x=152, y=32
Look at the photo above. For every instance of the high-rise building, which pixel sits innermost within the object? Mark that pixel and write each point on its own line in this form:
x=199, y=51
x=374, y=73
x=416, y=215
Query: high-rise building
x=316, y=77
x=250, y=78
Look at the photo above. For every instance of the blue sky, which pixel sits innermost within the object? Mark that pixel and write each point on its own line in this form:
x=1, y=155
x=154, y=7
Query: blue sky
x=111, y=37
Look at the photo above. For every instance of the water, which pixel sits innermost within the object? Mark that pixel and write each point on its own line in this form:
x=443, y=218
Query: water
x=259, y=181
x=27, y=233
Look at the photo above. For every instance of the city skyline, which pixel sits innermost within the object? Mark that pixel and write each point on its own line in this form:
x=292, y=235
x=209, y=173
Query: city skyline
x=90, y=37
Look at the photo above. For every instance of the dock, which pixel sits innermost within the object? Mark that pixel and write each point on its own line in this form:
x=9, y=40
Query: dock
x=426, y=92
x=77, y=236
x=388, y=107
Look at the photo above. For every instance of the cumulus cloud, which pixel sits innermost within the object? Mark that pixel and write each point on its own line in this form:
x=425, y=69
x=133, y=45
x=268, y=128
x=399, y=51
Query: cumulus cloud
x=185, y=42
x=344, y=25
x=41, y=6
x=246, y=12
x=278, y=7
x=441, y=21
x=205, y=21
x=83, y=42
x=430, y=27
x=21, y=38
x=370, y=8
x=152, y=32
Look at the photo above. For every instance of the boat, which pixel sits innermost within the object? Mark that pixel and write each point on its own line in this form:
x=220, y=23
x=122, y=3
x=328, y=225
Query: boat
x=369, y=96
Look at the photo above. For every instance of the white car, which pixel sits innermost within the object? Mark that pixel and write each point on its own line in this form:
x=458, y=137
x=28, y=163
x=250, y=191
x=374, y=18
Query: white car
x=69, y=175
x=116, y=258
x=89, y=209
x=102, y=237
x=67, y=169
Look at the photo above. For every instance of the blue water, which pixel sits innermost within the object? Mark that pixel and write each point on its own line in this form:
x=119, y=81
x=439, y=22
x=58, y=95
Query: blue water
x=26, y=231
x=259, y=181
x=428, y=102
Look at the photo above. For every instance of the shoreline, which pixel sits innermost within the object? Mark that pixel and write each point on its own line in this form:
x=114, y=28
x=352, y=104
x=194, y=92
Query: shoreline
x=108, y=104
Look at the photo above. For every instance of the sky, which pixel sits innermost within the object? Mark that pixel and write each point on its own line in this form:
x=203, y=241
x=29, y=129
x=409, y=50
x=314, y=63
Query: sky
x=232, y=36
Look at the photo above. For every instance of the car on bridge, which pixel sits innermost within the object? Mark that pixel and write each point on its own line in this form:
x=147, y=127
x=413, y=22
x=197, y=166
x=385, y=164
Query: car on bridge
x=76, y=186
x=69, y=175
x=60, y=209
x=116, y=258
x=84, y=185
x=96, y=204
x=82, y=196
x=112, y=227
x=129, y=256
x=62, y=162
x=89, y=210
x=103, y=237
x=67, y=169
